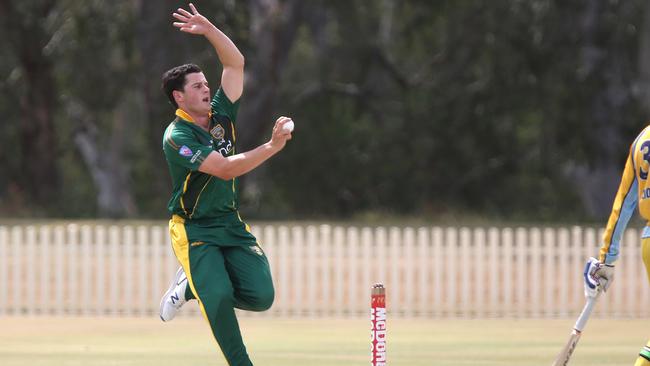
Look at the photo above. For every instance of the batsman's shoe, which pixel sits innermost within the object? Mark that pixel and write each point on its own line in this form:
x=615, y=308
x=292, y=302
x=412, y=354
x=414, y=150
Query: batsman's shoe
x=174, y=298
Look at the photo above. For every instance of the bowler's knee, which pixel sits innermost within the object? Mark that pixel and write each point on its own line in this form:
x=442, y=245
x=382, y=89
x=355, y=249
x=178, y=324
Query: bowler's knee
x=263, y=299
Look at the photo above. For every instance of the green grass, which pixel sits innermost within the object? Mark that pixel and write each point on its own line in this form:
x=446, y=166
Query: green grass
x=37, y=341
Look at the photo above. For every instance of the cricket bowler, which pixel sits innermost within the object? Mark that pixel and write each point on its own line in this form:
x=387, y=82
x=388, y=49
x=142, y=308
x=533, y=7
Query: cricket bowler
x=222, y=265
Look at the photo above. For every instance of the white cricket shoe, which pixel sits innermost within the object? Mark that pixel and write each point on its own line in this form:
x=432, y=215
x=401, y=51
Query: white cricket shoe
x=174, y=298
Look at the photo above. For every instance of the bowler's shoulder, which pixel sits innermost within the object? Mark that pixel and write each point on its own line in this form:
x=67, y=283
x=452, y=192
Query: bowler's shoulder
x=177, y=134
x=222, y=105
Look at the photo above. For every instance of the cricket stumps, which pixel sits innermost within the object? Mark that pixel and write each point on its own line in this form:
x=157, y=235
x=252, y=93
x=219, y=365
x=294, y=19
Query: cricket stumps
x=378, y=325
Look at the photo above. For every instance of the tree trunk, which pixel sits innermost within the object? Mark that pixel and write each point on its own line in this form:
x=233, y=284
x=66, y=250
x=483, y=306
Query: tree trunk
x=107, y=165
x=272, y=31
x=597, y=182
x=153, y=35
x=38, y=143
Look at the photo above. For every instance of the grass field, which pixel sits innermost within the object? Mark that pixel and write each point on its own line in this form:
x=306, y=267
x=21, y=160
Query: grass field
x=276, y=342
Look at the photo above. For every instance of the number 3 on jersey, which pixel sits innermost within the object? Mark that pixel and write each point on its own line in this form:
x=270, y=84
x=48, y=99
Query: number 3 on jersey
x=645, y=150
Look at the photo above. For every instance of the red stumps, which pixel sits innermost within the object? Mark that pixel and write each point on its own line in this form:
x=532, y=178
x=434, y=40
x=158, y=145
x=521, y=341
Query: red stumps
x=378, y=325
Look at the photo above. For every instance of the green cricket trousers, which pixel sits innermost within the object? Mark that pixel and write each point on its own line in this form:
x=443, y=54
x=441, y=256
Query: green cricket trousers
x=226, y=269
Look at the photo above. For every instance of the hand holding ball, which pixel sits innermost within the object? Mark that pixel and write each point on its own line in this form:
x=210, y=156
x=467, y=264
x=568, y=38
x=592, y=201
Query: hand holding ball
x=281, y=133
x=288, y=127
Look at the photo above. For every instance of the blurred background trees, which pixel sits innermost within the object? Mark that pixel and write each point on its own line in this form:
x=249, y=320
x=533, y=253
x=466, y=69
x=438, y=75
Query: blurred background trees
x=503, y=109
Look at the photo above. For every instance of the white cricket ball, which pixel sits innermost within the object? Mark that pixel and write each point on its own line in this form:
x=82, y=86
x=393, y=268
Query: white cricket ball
x=288, y=127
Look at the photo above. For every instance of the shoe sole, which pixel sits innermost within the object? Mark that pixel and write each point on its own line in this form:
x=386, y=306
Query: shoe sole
x=171, y=288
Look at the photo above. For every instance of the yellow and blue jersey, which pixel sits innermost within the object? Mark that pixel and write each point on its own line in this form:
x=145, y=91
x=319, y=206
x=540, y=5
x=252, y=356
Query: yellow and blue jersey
x=634, y=190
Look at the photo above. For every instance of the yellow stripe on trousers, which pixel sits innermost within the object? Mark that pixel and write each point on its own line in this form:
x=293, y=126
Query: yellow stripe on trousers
x=181, y=246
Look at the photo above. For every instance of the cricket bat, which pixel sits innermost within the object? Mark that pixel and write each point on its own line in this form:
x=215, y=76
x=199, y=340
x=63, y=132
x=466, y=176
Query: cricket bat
x=564, y=356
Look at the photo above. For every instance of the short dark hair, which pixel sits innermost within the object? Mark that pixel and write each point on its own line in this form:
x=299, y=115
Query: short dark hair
x=174, y=79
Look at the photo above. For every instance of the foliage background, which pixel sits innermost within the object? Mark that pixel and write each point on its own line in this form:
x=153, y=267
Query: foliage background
x=504, y=109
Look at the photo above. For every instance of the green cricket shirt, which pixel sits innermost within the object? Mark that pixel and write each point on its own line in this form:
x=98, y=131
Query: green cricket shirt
x=196, y=195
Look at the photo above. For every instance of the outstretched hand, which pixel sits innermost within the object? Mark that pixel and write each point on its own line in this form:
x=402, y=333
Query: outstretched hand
x=193, y=22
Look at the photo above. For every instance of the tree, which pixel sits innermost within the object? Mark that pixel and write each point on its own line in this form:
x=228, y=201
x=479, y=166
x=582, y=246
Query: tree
x=35, y=90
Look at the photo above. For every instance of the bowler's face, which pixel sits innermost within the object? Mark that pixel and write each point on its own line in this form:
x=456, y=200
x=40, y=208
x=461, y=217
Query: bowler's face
x=196, y=94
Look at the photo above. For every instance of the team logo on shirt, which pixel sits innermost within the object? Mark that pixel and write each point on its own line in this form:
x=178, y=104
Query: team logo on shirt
x=185, y=151
x=218, y=132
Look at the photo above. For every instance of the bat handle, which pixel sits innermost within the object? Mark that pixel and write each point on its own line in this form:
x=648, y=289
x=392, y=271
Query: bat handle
x=586, y=312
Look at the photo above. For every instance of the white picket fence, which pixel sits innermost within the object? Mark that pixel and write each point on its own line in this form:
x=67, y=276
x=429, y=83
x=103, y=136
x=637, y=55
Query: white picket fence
x=325, y=270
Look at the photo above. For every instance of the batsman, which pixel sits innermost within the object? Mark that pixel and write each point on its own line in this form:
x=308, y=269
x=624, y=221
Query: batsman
x=222, y=265
x=634, y=190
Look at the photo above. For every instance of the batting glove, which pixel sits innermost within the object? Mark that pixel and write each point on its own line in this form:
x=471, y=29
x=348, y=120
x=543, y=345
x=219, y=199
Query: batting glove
x=598, y=276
